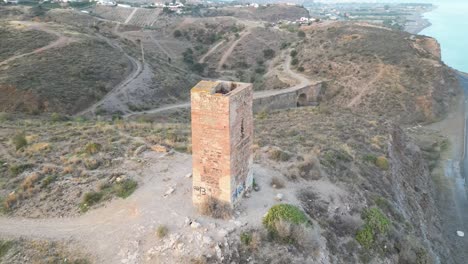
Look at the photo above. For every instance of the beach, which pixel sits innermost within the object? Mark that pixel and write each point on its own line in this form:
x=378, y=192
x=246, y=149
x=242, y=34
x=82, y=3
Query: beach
x=417, y=23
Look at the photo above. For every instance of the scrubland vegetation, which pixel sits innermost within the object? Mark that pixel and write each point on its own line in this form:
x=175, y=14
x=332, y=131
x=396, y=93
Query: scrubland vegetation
x=75, y=162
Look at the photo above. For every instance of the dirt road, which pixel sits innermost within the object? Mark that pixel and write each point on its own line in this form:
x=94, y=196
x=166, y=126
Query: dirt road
x=300, y=79
x=136, y=70
x=61, y=40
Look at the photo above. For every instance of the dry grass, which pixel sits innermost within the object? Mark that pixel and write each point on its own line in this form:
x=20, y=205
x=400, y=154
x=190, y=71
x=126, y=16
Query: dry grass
x=301, y=235
x=215, y=208
x=277, y=183
x=85, y=150
x=308, y=169
x=29, y=182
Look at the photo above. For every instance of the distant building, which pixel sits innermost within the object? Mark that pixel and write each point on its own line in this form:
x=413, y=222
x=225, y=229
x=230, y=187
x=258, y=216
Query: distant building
x=106, y=2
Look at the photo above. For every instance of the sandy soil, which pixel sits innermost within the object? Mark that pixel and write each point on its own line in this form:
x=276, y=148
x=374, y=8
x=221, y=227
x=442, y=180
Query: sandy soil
x=124, y=231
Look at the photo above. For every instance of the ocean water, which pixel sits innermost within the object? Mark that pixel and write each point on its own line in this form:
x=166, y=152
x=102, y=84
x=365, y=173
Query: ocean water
x=450, y=27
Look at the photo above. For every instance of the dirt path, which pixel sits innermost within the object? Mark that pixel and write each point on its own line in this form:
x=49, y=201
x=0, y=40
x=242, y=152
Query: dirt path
x=231, y=49
x=368, y=87
x=137, y=68
x=212, y=49
x=61, y=40
x=130, y=16
x=115, y=230
x=302, y=81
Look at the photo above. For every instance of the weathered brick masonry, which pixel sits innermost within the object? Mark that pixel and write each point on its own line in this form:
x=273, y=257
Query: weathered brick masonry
x=222, y=134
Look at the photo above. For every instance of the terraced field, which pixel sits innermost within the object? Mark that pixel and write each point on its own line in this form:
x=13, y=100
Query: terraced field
x=119, y=14
x=131, y=16
x=144, y=17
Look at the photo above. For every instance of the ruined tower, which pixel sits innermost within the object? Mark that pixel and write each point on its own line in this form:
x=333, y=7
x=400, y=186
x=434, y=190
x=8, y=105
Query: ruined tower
x=222, y=134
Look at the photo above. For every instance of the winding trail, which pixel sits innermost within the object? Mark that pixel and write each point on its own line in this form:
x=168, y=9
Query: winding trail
x=115, y=229
x=368, y=87
x=137, y=68
x=210, y=51
x=231, y=49
x=61, y=41
x=302, y=80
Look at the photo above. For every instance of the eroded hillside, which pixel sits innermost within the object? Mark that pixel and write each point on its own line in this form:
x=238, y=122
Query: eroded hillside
x=63, y=70
x=372, y=69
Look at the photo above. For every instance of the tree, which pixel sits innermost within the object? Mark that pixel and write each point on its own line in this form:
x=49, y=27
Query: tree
x=268, y=54
x=198, y=67
x=177, y=33
x=167, y=10
x=294, y=61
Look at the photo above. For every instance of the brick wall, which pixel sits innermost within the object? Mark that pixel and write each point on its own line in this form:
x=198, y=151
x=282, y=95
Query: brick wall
x=222, y=132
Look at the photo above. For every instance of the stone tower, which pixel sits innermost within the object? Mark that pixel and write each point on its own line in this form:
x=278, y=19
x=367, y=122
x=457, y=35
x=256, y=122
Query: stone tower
x=222, y=134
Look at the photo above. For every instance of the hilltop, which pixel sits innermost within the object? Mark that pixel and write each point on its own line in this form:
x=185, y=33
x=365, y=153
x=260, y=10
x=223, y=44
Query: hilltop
x=371, y=69
x=109, y=172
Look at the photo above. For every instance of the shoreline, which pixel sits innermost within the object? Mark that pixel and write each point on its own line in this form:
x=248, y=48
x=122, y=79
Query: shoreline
x=418, y=22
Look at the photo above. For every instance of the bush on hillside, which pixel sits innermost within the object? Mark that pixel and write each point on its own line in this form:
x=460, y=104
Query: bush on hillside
x=19, y=140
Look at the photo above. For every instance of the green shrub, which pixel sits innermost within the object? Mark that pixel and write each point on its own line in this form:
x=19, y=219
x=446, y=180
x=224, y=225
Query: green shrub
x=162, y=231
x=19, y=140
x=5, y=246
x=382, y=163
x=294, y=61
x=293, y=53
x=4, y=117
x=301, y=69
x=19, y=168
x=301, y=34
x=268, y=54
x=177, y=33
x=376, y=220
x=246, y=238
x=90, y=199
x=48, y=180
x=125, y=188
x=370, y=158
x=285, y=212
x=55, y=117
x=365, y=237
x=93, y=148
x=376, y=223
x=262, y=115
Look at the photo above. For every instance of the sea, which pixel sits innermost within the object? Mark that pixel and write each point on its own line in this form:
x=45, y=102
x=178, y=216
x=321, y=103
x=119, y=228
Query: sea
x=450, y=27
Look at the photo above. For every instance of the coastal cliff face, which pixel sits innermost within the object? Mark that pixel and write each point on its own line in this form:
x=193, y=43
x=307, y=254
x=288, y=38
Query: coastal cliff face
x=413, y=195
x=364, y=162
